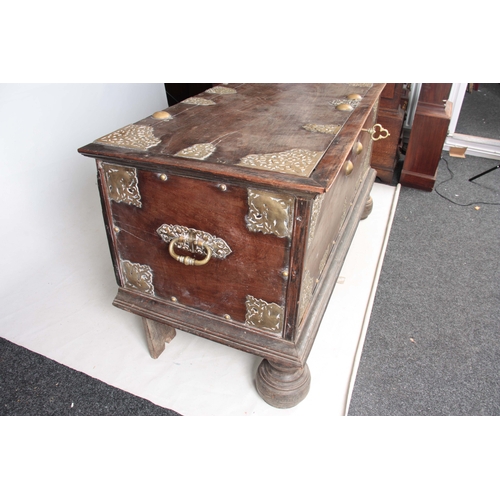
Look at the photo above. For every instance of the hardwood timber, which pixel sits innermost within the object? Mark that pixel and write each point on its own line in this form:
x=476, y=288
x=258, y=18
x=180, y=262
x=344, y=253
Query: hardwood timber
x=368, y=208
x=435, y=93
x=158, y=158
x=283, y=352
x=281, y=386
x=428, y=133
x=386, y=153
x=236, y=277
x=157, y=334
x=275, y=178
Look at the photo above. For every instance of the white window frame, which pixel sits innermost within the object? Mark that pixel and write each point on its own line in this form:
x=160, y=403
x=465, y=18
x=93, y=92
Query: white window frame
x=476, y=146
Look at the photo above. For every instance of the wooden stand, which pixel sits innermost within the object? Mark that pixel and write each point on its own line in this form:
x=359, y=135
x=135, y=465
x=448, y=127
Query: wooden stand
x=157, y=335
x=283, y=377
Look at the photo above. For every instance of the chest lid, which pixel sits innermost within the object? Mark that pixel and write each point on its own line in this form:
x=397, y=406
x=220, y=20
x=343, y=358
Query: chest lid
x=293, y=136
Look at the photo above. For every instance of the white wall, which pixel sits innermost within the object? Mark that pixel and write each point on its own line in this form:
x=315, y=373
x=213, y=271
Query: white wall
x=48, y=189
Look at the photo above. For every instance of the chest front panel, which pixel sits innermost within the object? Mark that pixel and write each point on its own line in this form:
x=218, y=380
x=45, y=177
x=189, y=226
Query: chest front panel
x=248, y=232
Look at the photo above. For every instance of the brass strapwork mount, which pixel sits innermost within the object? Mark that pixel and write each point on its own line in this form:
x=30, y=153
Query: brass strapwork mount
x=381, y=131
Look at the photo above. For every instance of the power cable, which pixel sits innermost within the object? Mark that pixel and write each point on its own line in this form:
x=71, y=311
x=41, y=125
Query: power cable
x=454, y=202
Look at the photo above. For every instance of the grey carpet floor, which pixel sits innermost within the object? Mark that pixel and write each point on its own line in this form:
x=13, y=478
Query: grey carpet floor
x=480, y=112
x=33, y=385
x=433, y=342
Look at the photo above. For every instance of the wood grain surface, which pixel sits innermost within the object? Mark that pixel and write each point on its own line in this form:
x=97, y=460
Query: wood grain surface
x=257, y=119
x=220, y=287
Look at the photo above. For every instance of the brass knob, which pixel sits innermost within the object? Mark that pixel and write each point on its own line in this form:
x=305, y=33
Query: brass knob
x=344, y=107
x=349, y=167
x=162, y=115
x=358, y=147
x=355, y=97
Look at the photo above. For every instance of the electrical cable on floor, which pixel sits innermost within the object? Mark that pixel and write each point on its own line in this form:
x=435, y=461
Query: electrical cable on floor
x=169, y=95
x=454, y=202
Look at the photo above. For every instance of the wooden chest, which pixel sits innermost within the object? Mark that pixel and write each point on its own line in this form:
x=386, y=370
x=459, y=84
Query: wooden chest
x=229, y=216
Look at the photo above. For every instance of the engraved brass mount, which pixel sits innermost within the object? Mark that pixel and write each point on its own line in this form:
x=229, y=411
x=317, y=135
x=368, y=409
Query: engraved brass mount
x=270, y=213
x=122, y=184
x=261, y=314
x=138, y=277
x=194, y=241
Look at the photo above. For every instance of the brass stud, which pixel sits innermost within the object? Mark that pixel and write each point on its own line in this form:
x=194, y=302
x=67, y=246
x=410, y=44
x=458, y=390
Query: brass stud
x=174, y=299
x=358, y=147
x=344, y=107
x=222, y=187
x=163, y=177
x=285, y=273
x=162, y=115
x=349, y=167
x=116, y=229
x=354, y=97
x=226, y=316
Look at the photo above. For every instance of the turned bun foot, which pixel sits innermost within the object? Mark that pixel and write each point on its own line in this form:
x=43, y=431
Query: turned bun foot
x=368, y=208
x=282, y=387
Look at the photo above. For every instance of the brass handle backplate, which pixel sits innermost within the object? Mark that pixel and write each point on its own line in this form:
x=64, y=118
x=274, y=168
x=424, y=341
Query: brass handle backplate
x=186, y=260
x=382, y=132
x=200, y=243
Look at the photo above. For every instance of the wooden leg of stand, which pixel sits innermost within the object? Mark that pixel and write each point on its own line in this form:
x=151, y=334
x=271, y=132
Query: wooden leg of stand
x=280, y=386
x=157, y=334
x=368, y=208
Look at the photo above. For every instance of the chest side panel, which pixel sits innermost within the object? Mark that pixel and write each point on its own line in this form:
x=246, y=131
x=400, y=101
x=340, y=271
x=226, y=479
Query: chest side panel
x=331, y=211
x=247, y=268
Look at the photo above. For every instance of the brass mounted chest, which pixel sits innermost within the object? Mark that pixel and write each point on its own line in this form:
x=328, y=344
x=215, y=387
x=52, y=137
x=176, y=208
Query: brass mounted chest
x=229, y=216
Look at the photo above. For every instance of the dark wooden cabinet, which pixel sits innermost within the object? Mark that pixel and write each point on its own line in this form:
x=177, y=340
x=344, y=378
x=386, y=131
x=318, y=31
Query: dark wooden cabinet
x=177, y=92
x=229, y=216
x=428, y=133
x=391, y=115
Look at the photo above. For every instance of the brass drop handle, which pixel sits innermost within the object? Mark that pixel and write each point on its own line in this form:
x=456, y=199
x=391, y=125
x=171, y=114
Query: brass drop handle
x=189, y=261
x=382, y=132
